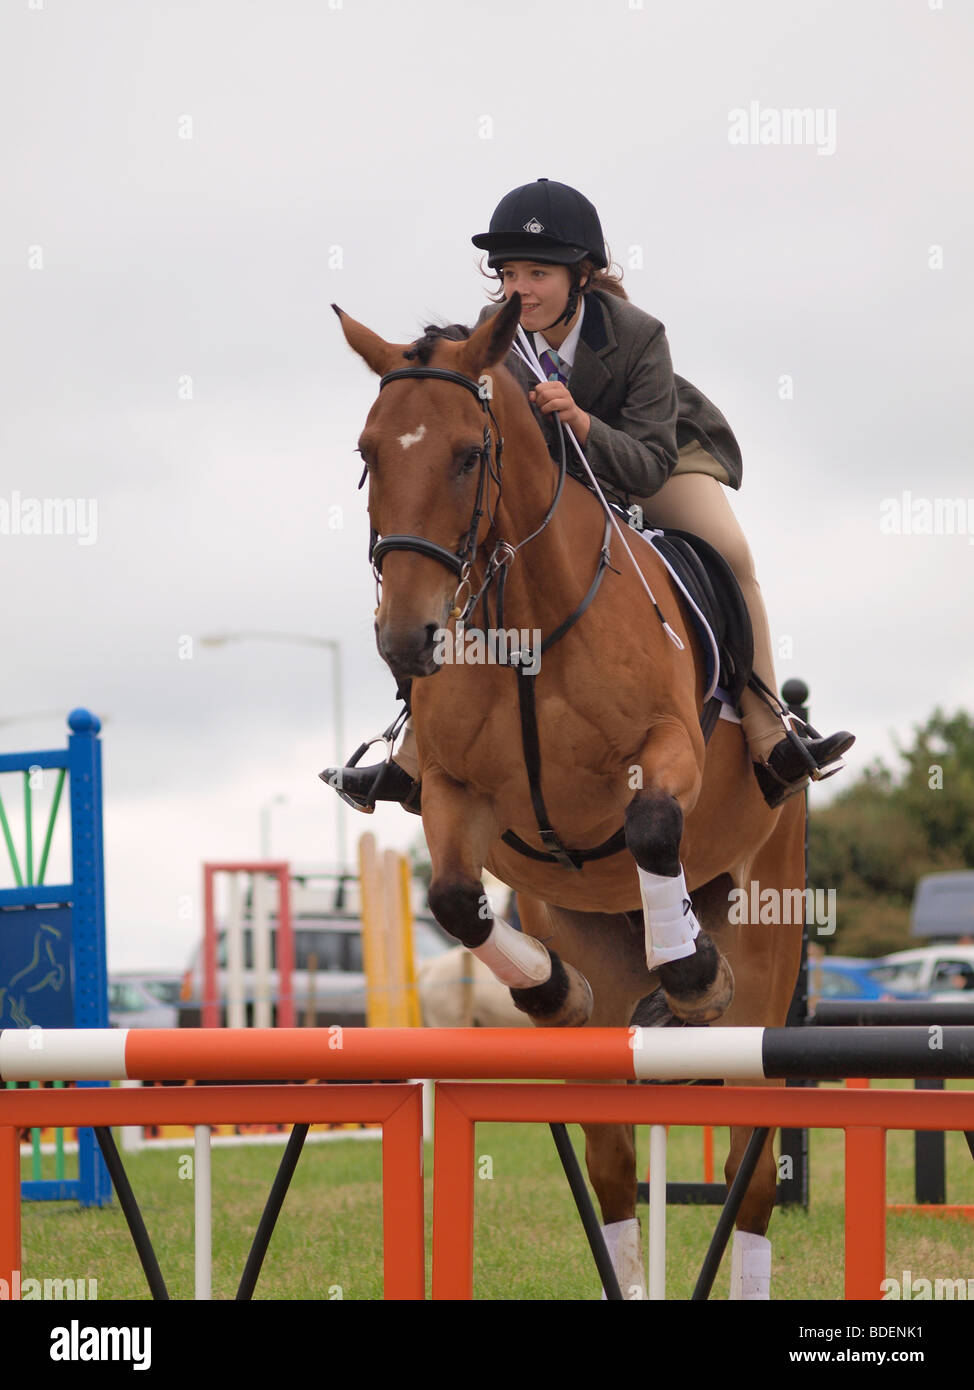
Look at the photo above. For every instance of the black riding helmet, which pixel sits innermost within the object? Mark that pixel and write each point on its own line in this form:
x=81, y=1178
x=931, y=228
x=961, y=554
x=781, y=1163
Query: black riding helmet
x=547, y=222
x=543, y=221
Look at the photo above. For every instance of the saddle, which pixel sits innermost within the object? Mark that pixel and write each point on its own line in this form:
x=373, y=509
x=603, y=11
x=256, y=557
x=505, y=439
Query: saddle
x=714, y=604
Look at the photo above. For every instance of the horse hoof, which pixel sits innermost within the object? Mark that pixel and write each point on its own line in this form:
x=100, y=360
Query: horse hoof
x=653, y=1011
x=563, y=1001
x=699, y=988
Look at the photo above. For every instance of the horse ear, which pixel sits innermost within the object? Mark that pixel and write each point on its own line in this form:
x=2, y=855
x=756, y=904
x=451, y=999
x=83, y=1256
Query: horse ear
x=492, y=341
x=373, y=350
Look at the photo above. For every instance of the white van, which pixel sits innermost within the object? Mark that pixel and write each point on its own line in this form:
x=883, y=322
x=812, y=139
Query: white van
x=328, y=980
x=940, y=972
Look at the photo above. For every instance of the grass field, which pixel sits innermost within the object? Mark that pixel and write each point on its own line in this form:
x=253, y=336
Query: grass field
x=528, y=1241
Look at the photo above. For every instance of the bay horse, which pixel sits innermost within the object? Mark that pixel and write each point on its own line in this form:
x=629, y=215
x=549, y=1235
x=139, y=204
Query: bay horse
x=587, y=787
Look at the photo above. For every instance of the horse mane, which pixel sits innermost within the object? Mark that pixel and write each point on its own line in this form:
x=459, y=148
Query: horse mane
x=422, y=349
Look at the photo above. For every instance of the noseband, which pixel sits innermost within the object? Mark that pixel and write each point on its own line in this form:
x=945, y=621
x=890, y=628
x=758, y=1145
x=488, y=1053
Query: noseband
x=458, y=562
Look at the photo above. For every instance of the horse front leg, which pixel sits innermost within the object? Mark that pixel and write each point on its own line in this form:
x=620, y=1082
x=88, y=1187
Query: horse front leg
x=697, y=981
x=460, y=827
x=609, y=952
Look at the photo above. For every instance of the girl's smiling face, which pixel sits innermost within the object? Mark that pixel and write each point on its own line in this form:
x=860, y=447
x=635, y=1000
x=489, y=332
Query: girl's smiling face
x=543, y=289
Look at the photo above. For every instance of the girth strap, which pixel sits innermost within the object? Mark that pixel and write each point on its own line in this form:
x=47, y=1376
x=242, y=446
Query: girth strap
x=568, y=859
x=554, y=850
x=576, y=856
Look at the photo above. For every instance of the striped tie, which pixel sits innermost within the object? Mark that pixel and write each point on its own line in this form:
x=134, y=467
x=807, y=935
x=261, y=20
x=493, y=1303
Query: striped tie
x=553, y=367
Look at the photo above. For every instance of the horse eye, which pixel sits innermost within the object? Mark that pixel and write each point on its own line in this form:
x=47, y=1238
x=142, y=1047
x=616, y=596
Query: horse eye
x=471, y=461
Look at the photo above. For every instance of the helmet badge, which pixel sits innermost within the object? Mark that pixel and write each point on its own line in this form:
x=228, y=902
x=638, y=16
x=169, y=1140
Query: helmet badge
x=533, y=226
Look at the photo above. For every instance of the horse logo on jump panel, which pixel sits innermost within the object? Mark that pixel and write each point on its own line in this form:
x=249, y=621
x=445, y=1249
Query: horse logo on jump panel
x=42, y=972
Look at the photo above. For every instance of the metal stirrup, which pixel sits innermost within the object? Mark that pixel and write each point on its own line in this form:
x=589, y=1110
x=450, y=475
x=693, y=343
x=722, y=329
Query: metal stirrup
x=367, y=801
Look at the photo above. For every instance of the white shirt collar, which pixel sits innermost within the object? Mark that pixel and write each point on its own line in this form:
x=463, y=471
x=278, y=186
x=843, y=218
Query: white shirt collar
x=567, y=350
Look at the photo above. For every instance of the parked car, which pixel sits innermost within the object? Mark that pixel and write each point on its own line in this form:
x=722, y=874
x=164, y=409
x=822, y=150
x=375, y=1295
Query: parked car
x=143, y=1000
x=324, y=934
x=848, y=977
x=930, y=972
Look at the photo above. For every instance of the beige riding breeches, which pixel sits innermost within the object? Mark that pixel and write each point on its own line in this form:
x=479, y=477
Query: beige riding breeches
x=692, y=499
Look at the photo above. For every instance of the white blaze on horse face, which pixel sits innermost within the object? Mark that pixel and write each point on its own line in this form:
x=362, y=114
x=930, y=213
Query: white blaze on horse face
x=408, y=440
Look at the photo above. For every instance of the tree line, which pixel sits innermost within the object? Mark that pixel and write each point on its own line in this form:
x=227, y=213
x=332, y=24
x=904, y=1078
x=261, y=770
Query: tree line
x=892, y=826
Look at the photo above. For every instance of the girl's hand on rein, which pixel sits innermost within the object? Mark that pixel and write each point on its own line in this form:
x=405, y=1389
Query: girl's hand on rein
x=554, y=397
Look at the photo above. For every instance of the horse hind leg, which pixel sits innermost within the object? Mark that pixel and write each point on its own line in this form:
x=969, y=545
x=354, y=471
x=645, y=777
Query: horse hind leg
x=766, y=960
x=763, y=969
x=751, y=1249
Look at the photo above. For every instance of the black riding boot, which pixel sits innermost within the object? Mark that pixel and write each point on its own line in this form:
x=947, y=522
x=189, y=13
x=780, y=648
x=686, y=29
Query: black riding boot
x=362, y=787
x=799, y=758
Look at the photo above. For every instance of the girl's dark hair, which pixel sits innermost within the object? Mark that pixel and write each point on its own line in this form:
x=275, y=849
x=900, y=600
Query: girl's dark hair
x=609, y=281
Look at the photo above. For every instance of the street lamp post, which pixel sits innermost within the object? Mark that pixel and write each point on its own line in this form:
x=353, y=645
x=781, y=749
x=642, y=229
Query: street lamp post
x=332, y=645
x=265, y=825
x=335, y=648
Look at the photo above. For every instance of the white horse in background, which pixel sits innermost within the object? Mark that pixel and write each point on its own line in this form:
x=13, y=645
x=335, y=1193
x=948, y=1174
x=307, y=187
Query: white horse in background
x=456, y=990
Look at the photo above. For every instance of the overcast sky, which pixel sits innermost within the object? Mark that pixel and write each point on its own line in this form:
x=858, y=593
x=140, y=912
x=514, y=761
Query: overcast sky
x=186, y=187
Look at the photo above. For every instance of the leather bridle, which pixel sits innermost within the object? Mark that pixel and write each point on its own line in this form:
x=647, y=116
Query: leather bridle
x=457, y=561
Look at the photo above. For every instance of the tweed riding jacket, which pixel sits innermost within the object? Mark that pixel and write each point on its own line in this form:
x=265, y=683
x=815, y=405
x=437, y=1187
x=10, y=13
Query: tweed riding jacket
x=642, y=414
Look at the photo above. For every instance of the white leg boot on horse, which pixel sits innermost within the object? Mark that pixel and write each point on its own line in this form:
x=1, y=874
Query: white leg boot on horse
x=750, y=1267
x=623, y=1240
x=697, y=981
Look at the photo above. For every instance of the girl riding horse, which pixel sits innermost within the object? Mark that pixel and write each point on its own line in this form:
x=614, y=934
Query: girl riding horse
x=648, y=435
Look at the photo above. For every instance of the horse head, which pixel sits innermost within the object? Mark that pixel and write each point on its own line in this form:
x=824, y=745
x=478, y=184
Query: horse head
x=431, y=451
